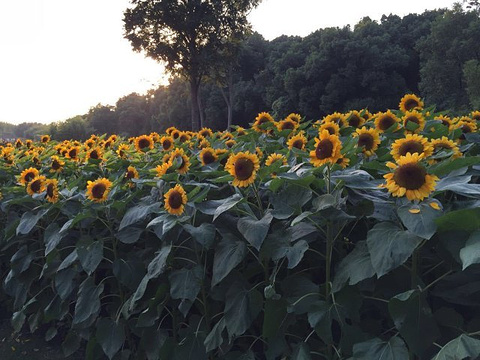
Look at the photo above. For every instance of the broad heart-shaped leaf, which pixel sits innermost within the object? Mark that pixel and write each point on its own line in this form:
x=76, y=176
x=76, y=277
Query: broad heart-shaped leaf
x=204, y=234
x=289, y=200
x=214, y=339
x=301, y=352
x=52, y=237
x=186, y=283
x=110, y=336
x=227, y=204
x=465, y=219
x=255, y=230
x=422, y=223
x=138, y=213
x=389, y=246
x=470, y=254
x=448, y=166
x=90, y=255
x=88, y=300
x=463, y=347
x=29, y=220
x=294, y=253
x=414, y=320
x=217, y=207
x=129, y=235
x=157, y=265
x=229, y=253
x=394, y=349
x=355, y=267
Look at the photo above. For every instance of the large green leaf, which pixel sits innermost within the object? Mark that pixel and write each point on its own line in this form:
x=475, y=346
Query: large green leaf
x=218, y=207
x=394, y=349
x=159, y=262
x=90, y=254
x=294, y=253
x=390, y=246
x=228, y=254
x=88, y=301
x=110, y=335
x=421, y=221
x=470, y=254
x=204, y=234
x=289, y=200
x=138, y=213
x=463, y=347
x=255, y=230
x=186, y=283
x=214, y=339
x=414, y=320
x=301, y=352
x=465, y=219
x=29, y=220
x=52, y=237
x=446, y=167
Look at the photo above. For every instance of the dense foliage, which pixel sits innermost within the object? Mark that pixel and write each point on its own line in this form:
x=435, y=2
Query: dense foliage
x=354, y=237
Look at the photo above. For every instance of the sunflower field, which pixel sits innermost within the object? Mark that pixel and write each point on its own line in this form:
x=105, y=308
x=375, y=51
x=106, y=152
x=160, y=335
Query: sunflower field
x=352, y=237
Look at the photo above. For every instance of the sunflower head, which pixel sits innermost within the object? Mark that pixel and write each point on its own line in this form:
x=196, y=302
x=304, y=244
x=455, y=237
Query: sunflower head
x=162, y=169
x=410, y=102
x=205, y=132
x=276, y=158
x=51, y=188
x=331, y=127
x=154, y=135
x=230, y=143
x=175, y=200
x=444, y=143
x=413, y=144
x=327, y=149
x=475, y=115
x=131, y=173
x=410, y=178
x=170, y=130
x=36, y=185
x=240, y=131
x=337, y=118
x=354, y=119
x=97, y=191
x=343, y=162
x=287, y=124
x=184, y=137
x=466, y=127
x=72, y=153
x=385, y=121
x=204, y=143
x=294, y=117
x=367, y=115
x=262, y=119
x=122, y=151
x=368, y=140
x=18, y=143
x=184, y=162
x=167, y=143
x=94, y=154
x=208, y=156
x=298, y=141
x=243, y=166
x=27, y=175
x=45, y=139
x=446, y=121
x=143, y=143
x=414, y=117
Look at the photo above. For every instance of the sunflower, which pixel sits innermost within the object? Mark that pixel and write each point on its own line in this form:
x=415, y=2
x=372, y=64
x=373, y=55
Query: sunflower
x=175, y=200
x=205, y=132
x=162, y=169
x=385, y=120
x=204, y=143
x=45, y=139
x=409, y=178
x=354, y=119
x=184, y=137
x=287, y=124
x=410, y=102
x=154, y=135
x=72, y=153
x=227, y=135
x=243, y=166
x=107, y=144
x=208, y=156
x=327, y=149
x=414, y=117
x=333, y=128
x=343, y=161
x=51, y=187
x=413, y=144
x=98, y=190
x=337, y=118
x=18, y=143
x=259, y=152
x=170, y=130
x=36, y=185
x=466, y=127
x=294, y=117
x=275, y=158
x=143, y=143
x=261, y=119
x=368, y=140
x=9, y=160
x=131, y=173
x=27, y=175
x=240, y=131
x=122, y=150
x=475, y=115
x=367, y=115
x=167, y=143
x=446, y=121
x=229, y=143
x=94, y=154
x=298, y=141
x=184, y=160
x=445, y=143
x=175, y=134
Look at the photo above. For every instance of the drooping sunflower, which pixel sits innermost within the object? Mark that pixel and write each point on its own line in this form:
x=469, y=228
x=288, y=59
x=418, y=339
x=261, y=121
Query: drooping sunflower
x=167, y=143
x=94, y=154
x=143, y=143
x=413, y=144
x=385, y=120
x=333, y=128
x=298, y=141
x=287, y=124
x=354, y=119
x=368, y=140
x=294, y=117
x=445, y=143
x=243, y=166
x=179, y=155
x=414, y=117
x=273, y=158
x=327, y=149
x=98, y=190
x=261, y=119
x=205, y=132
x=162, y=169
x=410, y=102
x=410, y=178
x=27, y=175
x=36, y=185
x=175, y=200
x=45, y=139
x=51, y=187
x=208, y=156
x=122, y=151
x=154, y=135
x=337, y=118
x=170, y=130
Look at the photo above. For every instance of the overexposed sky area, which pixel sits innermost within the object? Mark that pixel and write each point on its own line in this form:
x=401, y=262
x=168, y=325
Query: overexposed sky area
x=58, y=58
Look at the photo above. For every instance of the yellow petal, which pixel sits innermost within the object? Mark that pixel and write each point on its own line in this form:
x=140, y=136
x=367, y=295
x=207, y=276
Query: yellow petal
x=414, y=211
x=435, y=206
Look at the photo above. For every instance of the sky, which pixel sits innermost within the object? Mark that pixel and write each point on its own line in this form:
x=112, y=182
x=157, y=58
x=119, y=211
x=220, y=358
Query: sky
x=59, y=58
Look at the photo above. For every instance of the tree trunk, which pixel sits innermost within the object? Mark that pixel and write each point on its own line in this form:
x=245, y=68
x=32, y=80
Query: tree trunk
x=228, y=97
x=200, y=109
x=194, y=105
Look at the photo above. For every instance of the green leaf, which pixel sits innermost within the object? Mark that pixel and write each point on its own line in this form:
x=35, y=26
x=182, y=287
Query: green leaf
x=414, y=320
x=52, y=237
x=294, y=254
x=88, y=301
x=470, y=254
x=238, y=315
x=159, y=262
x=301, y=352
x=110, y=335
x=64, y=283
x=138, y=213
x=255, y=230
x=465, y=219
x=389, y=246
x=274, y=315
x=229, y=253
x=422, y=223
x=289, y=200
x=463, y=347
x=355, y=267
x=69, y=260
x=394, y=349
x=323, y=202
x=71, y=343
x=204, y=234
x=214, y=339
x=186, y=283
x=446, y=167
x=29, y=220
x=227, y=204
x=90, y=254
x=129, y=235
x=18, y=319
x=152, y=341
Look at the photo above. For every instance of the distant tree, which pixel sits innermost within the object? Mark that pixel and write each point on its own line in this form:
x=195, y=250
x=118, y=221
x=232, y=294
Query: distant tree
x=132, y=114
x=73, y=128
x=185, y=34
x=30, y=130
x=471, y=73
x=103, y=119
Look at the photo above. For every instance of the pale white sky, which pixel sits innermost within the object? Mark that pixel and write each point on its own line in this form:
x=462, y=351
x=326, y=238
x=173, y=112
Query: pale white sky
x=58, y=58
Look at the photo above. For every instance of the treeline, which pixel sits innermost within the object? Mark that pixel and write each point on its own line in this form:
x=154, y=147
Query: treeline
x=435, y=54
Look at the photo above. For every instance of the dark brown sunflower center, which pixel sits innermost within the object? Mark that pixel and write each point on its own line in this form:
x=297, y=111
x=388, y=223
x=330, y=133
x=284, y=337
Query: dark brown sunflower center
x=130, y=174
x=166, y=144
x=366, y=140
x=183, y=138
x=175, y=135
x=331, y=130
x=386, y=122
x=410, y=147
x=73, y=153
x=94, y=154
x=44, y=139
x=244, y=168
x=98, y=190
x=298, y=144
x=288, y=125
x=466, y=129
x=262, y=120
x=36, y=186
x=354, y=121
x=50, y=190
x=411, y=104
x=175, y=200
x=413, y=119
x=143, y=143
x=442, y=146
x=410, y=176
x=324, y=149
x=208, y=158
x=55, y=165
x=445, y=123
x=108, y=144
x=29, y=176
x=204, y=133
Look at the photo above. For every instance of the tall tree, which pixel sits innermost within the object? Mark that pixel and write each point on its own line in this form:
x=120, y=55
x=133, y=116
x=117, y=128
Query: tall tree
x=184, y=34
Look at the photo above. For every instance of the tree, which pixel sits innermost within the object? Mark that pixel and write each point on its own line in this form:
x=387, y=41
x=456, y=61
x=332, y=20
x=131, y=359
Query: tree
x=471, y=73
x=103, y=119
x=186, y=35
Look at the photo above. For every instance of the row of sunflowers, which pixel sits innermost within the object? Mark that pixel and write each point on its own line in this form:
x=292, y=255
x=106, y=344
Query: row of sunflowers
x=202, y=245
